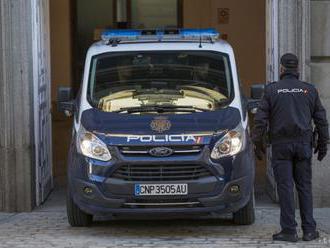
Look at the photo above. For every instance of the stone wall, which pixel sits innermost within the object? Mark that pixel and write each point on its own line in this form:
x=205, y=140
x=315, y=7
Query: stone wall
x=320, y=76
x=16, y=101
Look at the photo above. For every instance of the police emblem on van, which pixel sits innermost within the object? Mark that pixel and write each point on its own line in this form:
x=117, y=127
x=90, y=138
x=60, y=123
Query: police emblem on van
x=160, y=124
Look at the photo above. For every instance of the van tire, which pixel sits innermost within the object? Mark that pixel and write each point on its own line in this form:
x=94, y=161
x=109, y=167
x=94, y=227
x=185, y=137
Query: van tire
x=76, y=217
x=246, y=215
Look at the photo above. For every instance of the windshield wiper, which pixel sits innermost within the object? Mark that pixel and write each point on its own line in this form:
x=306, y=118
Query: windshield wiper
x=161, y=109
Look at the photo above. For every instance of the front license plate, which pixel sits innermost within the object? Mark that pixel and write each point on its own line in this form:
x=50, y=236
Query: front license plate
x=161, y=189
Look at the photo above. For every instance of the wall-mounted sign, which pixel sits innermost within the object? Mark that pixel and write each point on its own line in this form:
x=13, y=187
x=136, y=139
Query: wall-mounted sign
x=223, y=15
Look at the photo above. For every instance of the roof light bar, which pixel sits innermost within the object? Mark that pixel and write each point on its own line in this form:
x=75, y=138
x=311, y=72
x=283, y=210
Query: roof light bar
x=120, y=34
x=209, y=32
x=159, y=35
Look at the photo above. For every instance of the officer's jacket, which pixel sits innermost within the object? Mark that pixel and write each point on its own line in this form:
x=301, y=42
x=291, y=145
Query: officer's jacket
x=287, y=110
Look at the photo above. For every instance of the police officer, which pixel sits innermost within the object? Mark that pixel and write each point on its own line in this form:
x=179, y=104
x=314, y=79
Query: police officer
x=286, y=113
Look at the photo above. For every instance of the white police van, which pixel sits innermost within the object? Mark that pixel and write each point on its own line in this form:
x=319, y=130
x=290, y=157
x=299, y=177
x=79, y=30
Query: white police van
x=160, y=128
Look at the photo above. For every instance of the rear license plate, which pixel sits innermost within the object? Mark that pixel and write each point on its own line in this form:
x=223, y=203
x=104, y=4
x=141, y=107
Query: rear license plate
x=161, y=189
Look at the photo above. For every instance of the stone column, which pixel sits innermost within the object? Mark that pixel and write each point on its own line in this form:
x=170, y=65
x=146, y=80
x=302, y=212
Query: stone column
x=320, y=76
x=294, y=32
x=16, y=107
x=288, y=30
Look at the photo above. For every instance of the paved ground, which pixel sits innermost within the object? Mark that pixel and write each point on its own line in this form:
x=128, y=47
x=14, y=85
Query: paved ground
x=48, y=227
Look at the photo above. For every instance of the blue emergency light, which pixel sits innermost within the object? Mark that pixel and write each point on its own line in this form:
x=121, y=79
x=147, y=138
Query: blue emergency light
x=121, y=33
x=209, y=34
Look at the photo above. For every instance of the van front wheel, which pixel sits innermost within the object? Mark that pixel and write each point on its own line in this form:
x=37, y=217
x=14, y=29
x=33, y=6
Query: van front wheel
x=76, y=217
x=246, y=215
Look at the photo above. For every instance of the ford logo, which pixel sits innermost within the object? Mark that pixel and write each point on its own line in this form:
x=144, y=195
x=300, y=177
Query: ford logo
x=161, y=152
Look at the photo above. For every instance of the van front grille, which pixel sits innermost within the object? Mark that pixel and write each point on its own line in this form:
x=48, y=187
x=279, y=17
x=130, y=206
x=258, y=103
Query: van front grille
x=161, y=172
x=144, y=150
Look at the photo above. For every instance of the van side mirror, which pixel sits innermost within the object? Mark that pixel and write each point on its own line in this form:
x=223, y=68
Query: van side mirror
x=257, y=92
x=65, y=101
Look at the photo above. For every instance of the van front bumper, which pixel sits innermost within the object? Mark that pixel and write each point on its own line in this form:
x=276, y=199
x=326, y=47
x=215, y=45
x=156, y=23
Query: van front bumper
x=93, y=201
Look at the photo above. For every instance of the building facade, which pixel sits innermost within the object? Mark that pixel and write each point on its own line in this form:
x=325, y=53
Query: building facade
x=29, y=39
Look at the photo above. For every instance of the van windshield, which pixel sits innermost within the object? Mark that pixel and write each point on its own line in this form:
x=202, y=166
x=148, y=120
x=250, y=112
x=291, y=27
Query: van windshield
x=158, y=82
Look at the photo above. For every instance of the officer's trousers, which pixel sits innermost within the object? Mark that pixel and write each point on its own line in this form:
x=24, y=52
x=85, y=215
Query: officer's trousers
x=292, y=164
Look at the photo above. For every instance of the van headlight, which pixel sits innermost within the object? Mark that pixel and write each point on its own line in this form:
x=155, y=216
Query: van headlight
x=91, y=146
x=230, y=144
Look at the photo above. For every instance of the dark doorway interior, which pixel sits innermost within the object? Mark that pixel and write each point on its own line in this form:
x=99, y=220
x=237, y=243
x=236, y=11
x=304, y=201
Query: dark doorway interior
x=88, y=22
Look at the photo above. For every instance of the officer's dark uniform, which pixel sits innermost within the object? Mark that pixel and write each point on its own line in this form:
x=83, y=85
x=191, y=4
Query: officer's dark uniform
x=286, y=113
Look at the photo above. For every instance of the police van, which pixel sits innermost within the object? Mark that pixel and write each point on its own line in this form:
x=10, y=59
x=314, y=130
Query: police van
x=160, y=128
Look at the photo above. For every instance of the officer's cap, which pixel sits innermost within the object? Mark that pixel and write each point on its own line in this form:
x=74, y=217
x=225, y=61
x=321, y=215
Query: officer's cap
x=289, y=61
